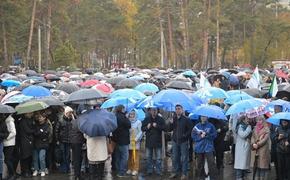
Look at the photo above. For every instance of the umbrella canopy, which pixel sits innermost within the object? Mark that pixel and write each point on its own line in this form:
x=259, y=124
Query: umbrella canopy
x=83, y=95
x=61, y=95
x=47, y=85
x=171, y=97
x=36, y=91
x=244, y=105
x=52, y=77
x=30, y=106
x=4, y=109
x=276, y=118
x=189, y=73
x=67, y=87
x=236, y=92
x=253, y=92
x=115, y=80
x=97, y=123
x=210, y=111
x=89, y=83
x=51, y=101
x=10, y=83
x=236, y=98
x=147, y=88
x=179, y=85
x=105, y=88
x=212, y=93
x=127, y=83
x=30, y=73
x=128, y=93
x=140, y=114
x=279, y=102
x=146, y=103
x=113, y=102
x=17, y=99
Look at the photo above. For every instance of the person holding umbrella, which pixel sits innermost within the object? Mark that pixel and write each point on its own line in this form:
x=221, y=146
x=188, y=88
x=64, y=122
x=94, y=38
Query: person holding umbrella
x=135, y=143
x=153, y=125
x=260, y=148
x=4, y=133
x=243, y=148
x=121, y=136
x=282, y=139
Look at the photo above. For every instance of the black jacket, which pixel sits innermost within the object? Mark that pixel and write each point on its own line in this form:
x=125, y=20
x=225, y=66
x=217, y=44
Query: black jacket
x=281, y=147
x=122, y=134
x=62, y=130
x=153, y=134
x=3, y=130
x=25, y=136
x=76, y=136
x=181, y=129
x=41, y=135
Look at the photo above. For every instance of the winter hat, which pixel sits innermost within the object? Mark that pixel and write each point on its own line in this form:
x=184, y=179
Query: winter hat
x=67, y=109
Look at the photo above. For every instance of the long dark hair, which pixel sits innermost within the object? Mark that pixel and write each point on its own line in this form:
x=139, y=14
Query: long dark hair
x=119, y=109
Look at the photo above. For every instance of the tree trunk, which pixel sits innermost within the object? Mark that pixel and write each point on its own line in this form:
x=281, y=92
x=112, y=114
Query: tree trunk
x=5, y=44
x=205, y=59
x=30, y=34
x=48, y=33
x=218, y=60
x=183, y=5
x=172, y=61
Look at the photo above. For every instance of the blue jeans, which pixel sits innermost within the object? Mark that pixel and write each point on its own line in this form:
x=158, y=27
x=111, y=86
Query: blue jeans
x=121, y=161
x=180, y=157
x=39, y=159
x=149, y=159
x=1, y=158
x=65, y=163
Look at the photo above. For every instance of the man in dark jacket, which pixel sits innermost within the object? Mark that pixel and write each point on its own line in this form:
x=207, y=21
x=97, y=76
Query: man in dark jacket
x=153, y=125
x=122, y=138
x=181, y=127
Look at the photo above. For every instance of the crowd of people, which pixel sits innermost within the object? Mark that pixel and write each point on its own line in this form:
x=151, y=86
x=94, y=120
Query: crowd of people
x=50, y=140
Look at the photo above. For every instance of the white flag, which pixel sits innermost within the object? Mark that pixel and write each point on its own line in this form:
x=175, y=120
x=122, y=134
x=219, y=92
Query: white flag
x=204, y=82
x=255, y=80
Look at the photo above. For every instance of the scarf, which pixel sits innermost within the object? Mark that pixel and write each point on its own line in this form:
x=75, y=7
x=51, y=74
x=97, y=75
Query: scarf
x=259, y=126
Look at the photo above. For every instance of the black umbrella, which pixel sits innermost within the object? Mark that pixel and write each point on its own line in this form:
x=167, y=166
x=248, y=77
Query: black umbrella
x=46, y=85
x=30, y=73
x=52, y=77
x=67, y=87
x=52, y=101
x=115, y=80
x=178, y=85
x=253, y=92
x=4, y=109
x=82, y=96
x=50, y=72
x=127, y=83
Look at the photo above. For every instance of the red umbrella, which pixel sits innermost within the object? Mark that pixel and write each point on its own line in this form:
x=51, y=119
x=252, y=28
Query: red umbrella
x=106, y=88
x=281, y=74
x=89, y=83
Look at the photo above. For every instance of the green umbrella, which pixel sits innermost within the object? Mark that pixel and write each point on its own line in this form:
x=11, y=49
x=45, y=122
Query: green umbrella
x=31, y=106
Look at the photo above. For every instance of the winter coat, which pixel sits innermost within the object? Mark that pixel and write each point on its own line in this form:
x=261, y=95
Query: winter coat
x=262, y=139
x=4, y=133
x=153, y=134
x=10, y=140
x=41, y=135
x=122, y=134
x=281, y=147
x=206, y=144
x=62, y=130
x=181, y=128
x=243, y=147
x=97, y=148
x=135, y=134
x=219, y=142
x=76, y=136
x=25, y=137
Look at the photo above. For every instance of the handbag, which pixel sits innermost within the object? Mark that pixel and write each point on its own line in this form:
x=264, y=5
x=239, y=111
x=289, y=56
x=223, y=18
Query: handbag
x=110, y=146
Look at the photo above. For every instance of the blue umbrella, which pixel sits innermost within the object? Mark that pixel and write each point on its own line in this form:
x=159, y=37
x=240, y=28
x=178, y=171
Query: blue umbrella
x=17, y=99
x=244, y=106
x=10, y=83
x=146, y=103
x=212, y=93
x=113, y=102
x=189, y=73
x=147, y=87
x=196, y=99
x=137, y=78
x=285, y=105
x=236, y=98
x=36, y=91
x=275, y=119
x=128, y=93
x=97, y=122
x=235, y=92
x=210, y=111
x=169, y=98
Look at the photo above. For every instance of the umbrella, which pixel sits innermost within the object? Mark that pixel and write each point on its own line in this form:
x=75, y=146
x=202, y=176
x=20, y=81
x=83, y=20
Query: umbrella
x=30, y=106
x=97, y=123
x=236, y=98
x=30, y=73
x=236, y=92
x=10, y=94
x=10, y=83
x=178, y=85
x=17, y=99
x=275, y=119
x=67, y=87
x=211, y=93
x=52, y=77
x=105, y=88
x=279, y=102
x=210, y=111
x=113, y=102
x=253, y=92
x=83, y=95
x=127, y=83
x=137, y=78
x=89, y=83
x=4, y=109
x=244, y=106
x=189, y=73
x=59, y=94
x=169, y=98
x=146, y=103
x=115, y=80
x=36, y=91
x=46, y=85
x=51, y=101
x=128, y=93
x=49, y=72
x=147, y=87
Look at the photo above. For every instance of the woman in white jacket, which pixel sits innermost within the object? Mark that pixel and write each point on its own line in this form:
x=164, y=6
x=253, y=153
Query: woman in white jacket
x=9, y=144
